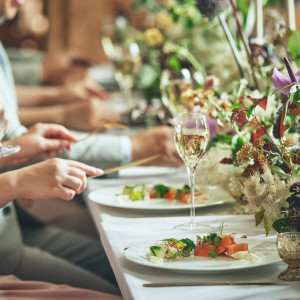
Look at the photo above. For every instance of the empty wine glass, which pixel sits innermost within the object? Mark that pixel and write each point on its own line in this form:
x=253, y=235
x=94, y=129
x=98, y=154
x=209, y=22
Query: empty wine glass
x=191, y=138
x=172, y=85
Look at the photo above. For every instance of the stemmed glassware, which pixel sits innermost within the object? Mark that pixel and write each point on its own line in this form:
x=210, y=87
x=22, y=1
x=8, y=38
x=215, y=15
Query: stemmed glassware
x=172, y=85
x=191, y=138
x=125, y=55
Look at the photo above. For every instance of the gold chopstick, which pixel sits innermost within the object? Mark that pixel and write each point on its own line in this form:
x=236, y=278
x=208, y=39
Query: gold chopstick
x=101, y=129
x=203, y=283
x=132, y=164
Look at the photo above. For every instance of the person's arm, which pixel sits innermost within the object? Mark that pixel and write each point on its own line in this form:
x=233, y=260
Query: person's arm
x=55, y=178
x=82, y=90
x=8, y=187
x=38, y=96
x=79, y=115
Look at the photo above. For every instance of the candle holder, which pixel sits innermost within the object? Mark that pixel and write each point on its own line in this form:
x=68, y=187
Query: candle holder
x=288, y=246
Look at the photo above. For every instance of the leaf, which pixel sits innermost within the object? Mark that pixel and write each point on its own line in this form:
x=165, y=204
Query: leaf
x=259, y=216
x=239, y=117
x=258, y=133
x=227, y=161
x=212, y=253
x=279, y=128
x=281, y=225
x=173, y=62
x=279, y=172
x=294, y=110
x=294, y=44
x=295, y=155
x=297, y=97
x=262, y=102
x=267, y=226
x=235, y=105
x=236, y=145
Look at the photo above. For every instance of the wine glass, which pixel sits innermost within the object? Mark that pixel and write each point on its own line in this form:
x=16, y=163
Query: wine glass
x=172, y=85
x=191, y=138
x=5, y=150
x=125, y=55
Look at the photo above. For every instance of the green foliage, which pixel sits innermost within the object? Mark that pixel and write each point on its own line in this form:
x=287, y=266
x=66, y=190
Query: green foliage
x=281, y=225
x=236, y=145
x=174, y=63
x=161, y=190
x=212, y=253
x=259, y=216
x=294, y=44
x=267, y=226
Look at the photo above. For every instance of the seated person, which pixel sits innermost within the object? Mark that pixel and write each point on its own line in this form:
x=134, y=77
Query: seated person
x=103, y=151
x=36, y=251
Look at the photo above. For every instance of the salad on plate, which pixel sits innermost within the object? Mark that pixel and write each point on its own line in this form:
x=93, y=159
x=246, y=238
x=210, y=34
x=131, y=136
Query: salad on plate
x=210, y=246
x=142, y=192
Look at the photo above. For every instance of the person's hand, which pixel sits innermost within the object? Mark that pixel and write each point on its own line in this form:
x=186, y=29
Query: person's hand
x=40, y=139
x=54, y=178
x=88, y=115
x=81, y=90
x=65, y=67
x=159, y=140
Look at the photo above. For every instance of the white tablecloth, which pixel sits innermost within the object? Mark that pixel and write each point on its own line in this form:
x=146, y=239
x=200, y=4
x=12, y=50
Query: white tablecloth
x=120, y=229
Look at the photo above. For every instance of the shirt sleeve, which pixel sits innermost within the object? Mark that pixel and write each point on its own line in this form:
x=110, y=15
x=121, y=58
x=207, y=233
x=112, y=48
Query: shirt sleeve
x=126, y=149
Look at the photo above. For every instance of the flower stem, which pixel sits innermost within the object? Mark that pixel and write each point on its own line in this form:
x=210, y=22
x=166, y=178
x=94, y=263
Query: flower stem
x=231, y=43
x=244, y=43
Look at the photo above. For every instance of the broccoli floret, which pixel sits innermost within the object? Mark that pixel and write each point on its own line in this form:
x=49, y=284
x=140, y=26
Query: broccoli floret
x=188, y=248
x=186, y=189
x=161, y=190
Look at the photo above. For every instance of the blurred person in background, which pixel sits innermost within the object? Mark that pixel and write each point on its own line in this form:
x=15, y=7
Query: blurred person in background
x=103, y=151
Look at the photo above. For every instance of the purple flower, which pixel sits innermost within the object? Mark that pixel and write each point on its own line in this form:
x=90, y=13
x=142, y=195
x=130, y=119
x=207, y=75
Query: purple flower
x=280, y=80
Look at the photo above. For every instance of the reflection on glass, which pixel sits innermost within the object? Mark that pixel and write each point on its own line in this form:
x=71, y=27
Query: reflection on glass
x=173, y=85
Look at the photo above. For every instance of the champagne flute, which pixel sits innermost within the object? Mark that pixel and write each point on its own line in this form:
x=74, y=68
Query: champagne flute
x=172, y=85
x=191, y=138
x=125, y=55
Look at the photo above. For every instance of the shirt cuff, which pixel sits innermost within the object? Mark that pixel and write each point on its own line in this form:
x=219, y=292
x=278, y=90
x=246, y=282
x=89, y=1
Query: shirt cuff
x=125, y=149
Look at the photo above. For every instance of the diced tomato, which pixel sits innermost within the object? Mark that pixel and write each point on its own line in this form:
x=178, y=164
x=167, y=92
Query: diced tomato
x=185, y=198
x=170, y=194
x=153, y=195
x=225, y=242
x=237, y=247
x=203, y=250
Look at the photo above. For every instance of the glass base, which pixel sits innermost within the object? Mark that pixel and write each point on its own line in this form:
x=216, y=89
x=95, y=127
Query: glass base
x=290, y=274
x=192, y=227
x=8, y=150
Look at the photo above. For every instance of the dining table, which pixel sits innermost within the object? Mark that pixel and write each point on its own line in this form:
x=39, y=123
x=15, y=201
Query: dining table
x=124, y=228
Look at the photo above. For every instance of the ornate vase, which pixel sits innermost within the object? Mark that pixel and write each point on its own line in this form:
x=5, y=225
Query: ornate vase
x=288, y=245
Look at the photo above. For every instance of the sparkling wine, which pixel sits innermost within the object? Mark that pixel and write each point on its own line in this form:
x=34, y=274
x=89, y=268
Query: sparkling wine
x=191, y=144
x=172, y=95
x=127, y=67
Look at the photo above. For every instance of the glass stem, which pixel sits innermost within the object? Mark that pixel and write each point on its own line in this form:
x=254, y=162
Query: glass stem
x=127, y=97
x=191, y=173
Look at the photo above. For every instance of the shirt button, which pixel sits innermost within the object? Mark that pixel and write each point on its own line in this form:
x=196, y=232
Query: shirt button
x=6, y=210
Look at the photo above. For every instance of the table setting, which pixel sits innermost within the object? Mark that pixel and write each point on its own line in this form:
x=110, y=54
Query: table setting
x=234, y=103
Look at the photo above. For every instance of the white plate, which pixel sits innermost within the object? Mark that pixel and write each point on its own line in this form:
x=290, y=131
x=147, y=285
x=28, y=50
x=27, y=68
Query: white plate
x=106, y=196
x=265, y=250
